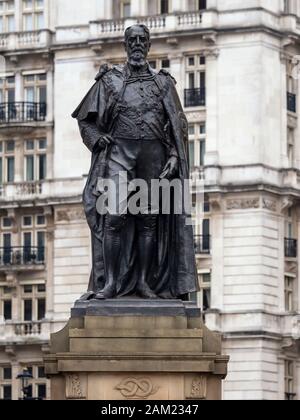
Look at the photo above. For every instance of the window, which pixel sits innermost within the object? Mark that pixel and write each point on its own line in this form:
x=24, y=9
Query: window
x=195, y=81
x=35, y=160
x=202, y=4
x=35, y=96
x=33, y=15
x=8, y=110
x=204, y=298
x=7, y=161
x=197, y=142
x=289, y=379
x=5, y=248
x=38, y=384
x=7, y=16
x=160, y=63
x=34, y=239
x=125, y=8
x=6, y=303
x=5, y=383
x=34, y=303
x=289, y=285
x=164, y=6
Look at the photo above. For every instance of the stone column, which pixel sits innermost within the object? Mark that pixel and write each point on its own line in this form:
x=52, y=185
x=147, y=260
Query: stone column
x=50, y=94
x=177, y=70
x=212, y=155
x=18, y=87
x=15, y=370
x=19, y=160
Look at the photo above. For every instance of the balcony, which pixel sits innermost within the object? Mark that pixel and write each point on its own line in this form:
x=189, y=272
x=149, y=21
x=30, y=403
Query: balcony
x=157, y=24
x=291, y=102
x=22, y=112
x=290, y=248
x=22, y=258
x=202, y=244
x=25, y=40
x=194, y=97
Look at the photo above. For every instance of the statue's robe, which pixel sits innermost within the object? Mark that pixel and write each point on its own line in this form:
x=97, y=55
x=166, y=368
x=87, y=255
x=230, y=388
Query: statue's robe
x=174, y=268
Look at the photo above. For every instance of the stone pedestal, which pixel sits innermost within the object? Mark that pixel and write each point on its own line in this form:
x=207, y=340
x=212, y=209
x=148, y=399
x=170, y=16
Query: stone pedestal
x=135, y=350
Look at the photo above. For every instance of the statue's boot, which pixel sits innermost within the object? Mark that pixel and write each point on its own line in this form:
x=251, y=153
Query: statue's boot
x=146, y=246
x=111, y=251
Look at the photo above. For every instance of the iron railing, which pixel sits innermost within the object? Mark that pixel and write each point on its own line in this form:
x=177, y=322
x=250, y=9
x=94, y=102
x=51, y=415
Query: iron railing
x=291, y=102
x=194, y=97
x=291, y=248
x=202, y=244
x=16, y=256
x=22, y=112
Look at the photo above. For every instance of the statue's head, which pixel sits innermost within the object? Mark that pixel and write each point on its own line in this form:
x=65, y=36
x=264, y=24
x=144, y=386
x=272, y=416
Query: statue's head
x=137, y=44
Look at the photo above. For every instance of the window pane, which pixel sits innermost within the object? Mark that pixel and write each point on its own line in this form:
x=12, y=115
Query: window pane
x=1, y=24
x=7, y=310
x=164, y=6
x=28, y=23
x=10, y=169
x=29, y=145
x=27, y=310
x=29, y=94
x=40, y=21
x=165, y=64
x=202, y=153
x=191, y=61
x=29, y=168
x=41, y=246
x=42, y=144
x=10, y=146
x=41, y=288
x=27, y=221
x=152, y=64
x=41, y=372
x=1, y=170
x=7, y=373
x=42, y=167
x=27, y=289
x=41, y=309
x=7, y=222
x=192, y=153
x=41, y=391
x=11, y=23
x=7, y=392
x=39, y=3
x=41, y=220
x=43, y=94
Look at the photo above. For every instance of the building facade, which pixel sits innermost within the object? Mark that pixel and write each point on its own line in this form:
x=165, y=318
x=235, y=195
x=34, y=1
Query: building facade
x=237, y=69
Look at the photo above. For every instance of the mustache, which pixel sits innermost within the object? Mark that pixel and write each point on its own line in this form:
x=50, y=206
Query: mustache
x=138, y=50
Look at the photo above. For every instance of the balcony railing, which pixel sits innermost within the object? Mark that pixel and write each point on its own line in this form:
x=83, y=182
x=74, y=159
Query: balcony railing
x=202, y=244
x=291, y=248
x=291, y=102
x=18, y=256
x=194, y=97
x=22, y=112
x=28, y=328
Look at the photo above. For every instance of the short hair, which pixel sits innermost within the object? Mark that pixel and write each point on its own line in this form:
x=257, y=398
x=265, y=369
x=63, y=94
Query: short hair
x=147, y=31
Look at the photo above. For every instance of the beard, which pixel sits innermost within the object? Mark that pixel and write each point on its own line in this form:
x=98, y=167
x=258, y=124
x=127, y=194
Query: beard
x=137, y=59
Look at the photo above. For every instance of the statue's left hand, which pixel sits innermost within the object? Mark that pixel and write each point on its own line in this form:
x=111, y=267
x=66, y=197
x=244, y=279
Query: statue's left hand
x=171, y=168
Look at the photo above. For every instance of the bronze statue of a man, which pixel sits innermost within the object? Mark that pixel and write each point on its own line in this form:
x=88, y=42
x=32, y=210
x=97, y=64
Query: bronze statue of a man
x=132, y=121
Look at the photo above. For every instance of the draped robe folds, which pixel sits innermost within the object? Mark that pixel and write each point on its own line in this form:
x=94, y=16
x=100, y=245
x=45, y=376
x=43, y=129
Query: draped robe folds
x=173, y=272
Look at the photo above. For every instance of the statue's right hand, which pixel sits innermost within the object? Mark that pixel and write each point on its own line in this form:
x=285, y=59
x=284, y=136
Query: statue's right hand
x=105, y=141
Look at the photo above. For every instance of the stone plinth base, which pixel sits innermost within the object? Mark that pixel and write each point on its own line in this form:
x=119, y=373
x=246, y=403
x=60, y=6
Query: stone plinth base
x=135, y=349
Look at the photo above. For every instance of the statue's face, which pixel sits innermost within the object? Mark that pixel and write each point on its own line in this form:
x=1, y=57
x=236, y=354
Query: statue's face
x=137, y=46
